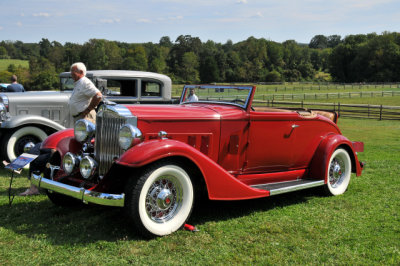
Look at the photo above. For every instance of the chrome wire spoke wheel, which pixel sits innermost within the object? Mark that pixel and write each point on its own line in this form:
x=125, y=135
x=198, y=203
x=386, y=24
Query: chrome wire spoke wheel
x=338, y=172
x=164, y=199
x=161, y=200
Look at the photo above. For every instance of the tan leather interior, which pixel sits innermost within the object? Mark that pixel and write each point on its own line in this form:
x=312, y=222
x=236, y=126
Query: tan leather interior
x=304, y=113
x=330, y=115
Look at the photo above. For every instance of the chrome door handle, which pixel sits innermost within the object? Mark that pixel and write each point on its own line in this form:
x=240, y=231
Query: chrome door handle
x=295, y=126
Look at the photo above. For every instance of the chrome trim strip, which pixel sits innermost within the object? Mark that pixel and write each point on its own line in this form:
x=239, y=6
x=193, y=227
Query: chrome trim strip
x=296, y=187
x=115, y=200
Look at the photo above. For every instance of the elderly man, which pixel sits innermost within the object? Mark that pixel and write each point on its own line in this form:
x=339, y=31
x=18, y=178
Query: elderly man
x=85, y=96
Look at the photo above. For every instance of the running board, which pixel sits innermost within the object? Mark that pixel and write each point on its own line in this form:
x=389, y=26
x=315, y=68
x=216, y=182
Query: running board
x=289, y=186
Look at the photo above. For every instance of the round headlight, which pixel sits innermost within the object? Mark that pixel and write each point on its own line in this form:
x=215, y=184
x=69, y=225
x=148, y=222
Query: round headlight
x=70, y=161
x=3, y=112
x=84, y=130
x=87, y=167
x=128, y=136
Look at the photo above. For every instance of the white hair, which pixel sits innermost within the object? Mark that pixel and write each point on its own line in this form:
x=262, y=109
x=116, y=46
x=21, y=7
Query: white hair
x=80, y=67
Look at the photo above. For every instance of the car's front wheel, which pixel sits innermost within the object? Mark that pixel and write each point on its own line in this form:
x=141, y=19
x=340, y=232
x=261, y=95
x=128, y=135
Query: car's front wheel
x=161, y=200
x=19, y=141
x=338, y=172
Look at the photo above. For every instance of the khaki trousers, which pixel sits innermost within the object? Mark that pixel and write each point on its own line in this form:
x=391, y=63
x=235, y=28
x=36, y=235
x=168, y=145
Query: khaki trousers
x=90, y=117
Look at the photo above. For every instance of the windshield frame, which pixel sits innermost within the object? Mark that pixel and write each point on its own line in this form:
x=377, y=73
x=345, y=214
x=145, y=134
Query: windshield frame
x=216, y=101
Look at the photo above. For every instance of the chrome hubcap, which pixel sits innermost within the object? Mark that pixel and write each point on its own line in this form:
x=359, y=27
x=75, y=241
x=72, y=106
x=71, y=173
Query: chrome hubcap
x=28, y=146
x=336, y=171
x=164, y=199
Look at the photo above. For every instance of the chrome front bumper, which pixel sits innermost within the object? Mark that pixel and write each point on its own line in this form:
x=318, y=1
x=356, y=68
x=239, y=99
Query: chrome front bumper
x=116, y=200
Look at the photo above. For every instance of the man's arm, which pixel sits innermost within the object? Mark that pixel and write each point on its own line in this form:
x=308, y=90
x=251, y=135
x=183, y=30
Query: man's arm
x=93, y=103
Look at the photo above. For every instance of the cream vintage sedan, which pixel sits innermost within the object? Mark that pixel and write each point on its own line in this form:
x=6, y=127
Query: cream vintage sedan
x=29, y=117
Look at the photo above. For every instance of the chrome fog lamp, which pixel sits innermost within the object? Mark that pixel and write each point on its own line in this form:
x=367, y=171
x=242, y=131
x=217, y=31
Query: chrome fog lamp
x=87, y=167
x=70, y=161
x=128, y=136
x=84, y=130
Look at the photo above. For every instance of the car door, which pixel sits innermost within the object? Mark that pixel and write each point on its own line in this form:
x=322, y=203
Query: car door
x=270, y=142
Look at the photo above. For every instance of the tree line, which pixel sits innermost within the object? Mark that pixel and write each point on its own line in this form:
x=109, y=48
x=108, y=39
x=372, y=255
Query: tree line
x=354, y=58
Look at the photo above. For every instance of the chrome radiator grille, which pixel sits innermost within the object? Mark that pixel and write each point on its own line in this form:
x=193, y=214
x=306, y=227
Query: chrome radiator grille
x=108, y=122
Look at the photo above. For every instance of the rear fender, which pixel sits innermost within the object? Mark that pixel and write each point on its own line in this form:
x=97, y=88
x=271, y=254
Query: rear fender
x=320, y=161
x=220, y=184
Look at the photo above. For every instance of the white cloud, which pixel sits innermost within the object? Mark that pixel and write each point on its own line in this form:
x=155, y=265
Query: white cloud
x=241, y=1
x=110, y=20
x=41, y=14
x=176, y=18
x=19, y=24
x=1, y=28
x=367, y=4
x=143, y=20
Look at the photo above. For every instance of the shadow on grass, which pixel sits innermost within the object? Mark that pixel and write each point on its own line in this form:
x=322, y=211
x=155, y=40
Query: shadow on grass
x=224, y=210
x=36, y=217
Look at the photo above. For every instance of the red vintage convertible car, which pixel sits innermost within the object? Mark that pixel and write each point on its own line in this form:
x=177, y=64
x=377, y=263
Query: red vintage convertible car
x=152, y=160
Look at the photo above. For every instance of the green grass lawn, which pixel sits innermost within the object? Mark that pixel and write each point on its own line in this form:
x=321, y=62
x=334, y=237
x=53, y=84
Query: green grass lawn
x=361, y=227
x=4, y=63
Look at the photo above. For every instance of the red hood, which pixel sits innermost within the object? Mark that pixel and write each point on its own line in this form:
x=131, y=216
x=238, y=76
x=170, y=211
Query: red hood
x=185, y=111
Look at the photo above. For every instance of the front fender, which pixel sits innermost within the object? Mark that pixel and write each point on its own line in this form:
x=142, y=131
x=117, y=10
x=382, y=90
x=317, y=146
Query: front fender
x=62, y=141
x=20, y=120
x=220, y=184
x=320, y=161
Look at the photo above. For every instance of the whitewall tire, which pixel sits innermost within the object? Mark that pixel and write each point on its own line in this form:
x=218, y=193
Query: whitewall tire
x=14, y=142
x=338, y=172
x=161, y=201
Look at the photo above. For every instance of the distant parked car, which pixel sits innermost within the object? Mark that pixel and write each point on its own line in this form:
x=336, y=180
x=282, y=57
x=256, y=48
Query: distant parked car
x=28, y=118
x=3, y=86
x=154, y=160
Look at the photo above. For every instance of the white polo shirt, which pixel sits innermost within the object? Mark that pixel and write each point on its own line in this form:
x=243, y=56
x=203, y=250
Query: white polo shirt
x=83, y=92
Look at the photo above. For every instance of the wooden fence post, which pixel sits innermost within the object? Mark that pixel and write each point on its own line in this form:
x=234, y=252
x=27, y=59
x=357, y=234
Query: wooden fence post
x=380, y=113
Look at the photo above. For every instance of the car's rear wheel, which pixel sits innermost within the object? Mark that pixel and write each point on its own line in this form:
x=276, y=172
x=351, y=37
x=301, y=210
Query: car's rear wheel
x=19, y=141
x=161, y=200
x=338, y=172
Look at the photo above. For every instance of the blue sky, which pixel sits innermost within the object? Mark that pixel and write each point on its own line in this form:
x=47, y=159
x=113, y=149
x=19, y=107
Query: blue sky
x=134, y=21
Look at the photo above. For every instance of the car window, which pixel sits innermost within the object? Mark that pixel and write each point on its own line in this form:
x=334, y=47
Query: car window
x=151, y=89
x=67, y=83
x=123, y=87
